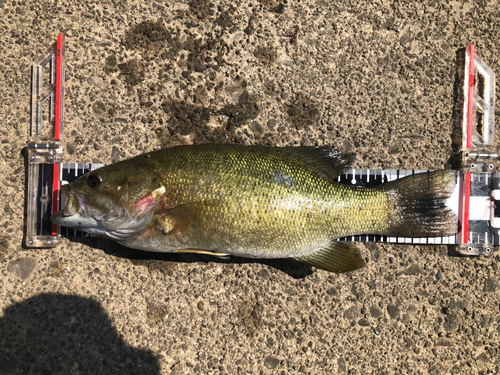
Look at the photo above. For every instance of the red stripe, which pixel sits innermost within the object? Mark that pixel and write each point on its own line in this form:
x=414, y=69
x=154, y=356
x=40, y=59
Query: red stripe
x=59, y=82
x=470, y=95
x=55, y=196
x=465, y=211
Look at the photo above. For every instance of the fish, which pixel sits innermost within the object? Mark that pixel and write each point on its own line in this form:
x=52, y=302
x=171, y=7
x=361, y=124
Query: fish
x=254, y=202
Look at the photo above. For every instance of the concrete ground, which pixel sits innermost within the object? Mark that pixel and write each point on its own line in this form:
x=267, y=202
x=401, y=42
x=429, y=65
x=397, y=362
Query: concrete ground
x=370, y=77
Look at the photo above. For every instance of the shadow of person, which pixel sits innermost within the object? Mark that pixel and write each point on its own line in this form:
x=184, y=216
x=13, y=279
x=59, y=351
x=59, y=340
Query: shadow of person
x=58, y=334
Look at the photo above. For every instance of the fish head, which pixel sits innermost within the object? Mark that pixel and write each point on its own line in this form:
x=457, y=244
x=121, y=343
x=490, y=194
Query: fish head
x=114, y=201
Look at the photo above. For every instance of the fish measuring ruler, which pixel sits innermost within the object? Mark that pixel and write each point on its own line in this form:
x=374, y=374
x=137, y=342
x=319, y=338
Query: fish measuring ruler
x=475, y=199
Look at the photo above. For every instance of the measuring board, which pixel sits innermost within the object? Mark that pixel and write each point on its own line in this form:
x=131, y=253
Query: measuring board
x=475, y=199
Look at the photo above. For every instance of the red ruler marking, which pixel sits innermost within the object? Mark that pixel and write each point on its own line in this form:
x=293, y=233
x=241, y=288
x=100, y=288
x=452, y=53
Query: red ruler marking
x=470, y=102
x=58, y=121
x=59, y=86
x=55, y=196
x=466, y=209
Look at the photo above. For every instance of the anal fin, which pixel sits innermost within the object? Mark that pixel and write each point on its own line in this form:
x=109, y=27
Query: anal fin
x=338, y=257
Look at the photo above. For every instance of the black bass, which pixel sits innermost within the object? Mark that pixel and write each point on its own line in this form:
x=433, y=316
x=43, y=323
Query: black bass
x=255, y=202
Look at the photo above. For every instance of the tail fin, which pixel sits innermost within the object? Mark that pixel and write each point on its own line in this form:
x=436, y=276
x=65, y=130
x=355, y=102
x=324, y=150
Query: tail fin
x=418, y=205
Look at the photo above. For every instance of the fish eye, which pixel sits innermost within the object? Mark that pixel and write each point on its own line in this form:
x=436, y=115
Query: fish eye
x=94, y=180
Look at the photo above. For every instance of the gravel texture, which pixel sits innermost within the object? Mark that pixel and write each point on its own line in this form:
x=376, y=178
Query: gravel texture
x=370, y=77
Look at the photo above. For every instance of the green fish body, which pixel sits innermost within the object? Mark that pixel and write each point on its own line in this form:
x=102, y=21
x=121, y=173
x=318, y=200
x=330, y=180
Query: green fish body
x=256, y=202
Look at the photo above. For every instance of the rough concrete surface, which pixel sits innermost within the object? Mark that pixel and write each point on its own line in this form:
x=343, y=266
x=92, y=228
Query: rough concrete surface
x=375, y=78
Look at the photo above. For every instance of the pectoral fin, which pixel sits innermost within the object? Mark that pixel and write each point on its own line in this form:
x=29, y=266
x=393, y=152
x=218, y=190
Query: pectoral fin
x=204, y=252
x=175, y=220
x=338, y=257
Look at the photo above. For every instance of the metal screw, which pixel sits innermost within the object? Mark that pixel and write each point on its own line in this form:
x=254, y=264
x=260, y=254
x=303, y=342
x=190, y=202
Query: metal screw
x=51, y=157
x=49, y=242
x=31, y=242
x=44, y=199
x=33, y=157
x=487, y=250
x=472, y=165
x=469, y=249
x=491, y=166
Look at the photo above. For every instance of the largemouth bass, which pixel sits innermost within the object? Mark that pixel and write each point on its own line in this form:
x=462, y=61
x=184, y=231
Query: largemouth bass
x=255, y=202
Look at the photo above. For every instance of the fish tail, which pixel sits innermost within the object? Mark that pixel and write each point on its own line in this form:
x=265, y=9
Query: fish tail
x=418, y=205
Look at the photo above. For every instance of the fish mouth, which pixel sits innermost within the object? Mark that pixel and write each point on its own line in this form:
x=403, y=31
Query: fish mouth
x=102, y=219
x=73, y=213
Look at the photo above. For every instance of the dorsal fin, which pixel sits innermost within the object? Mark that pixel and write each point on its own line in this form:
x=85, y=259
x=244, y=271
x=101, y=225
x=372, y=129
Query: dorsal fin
x=332, y=163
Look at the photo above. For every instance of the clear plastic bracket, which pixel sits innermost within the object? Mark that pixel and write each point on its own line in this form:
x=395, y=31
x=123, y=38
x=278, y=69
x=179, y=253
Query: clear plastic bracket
x=45, y=143
x=478, y=150
x=479, y=156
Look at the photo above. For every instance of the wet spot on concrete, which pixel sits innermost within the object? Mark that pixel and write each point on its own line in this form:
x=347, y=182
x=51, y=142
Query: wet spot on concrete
x=207, y=55
x=132, y=72
x=187, y=118
x=146, y=35
x=202, y=55
x=225, y=18
x=238, y=114
x=22, y=267
x=302, y=111
x=184, y=117
x=202, y=9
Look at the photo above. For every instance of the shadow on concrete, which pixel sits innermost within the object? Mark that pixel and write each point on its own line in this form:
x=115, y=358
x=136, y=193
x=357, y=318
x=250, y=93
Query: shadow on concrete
x=458, y=109
x=58, y=334
x=291, y=267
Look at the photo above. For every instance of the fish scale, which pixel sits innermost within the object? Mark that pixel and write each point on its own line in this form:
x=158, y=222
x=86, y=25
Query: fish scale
x=284, y=220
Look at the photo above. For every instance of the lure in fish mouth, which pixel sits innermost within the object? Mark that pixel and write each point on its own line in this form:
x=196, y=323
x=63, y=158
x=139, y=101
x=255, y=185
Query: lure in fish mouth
x=74, y=212
x=101, y=214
